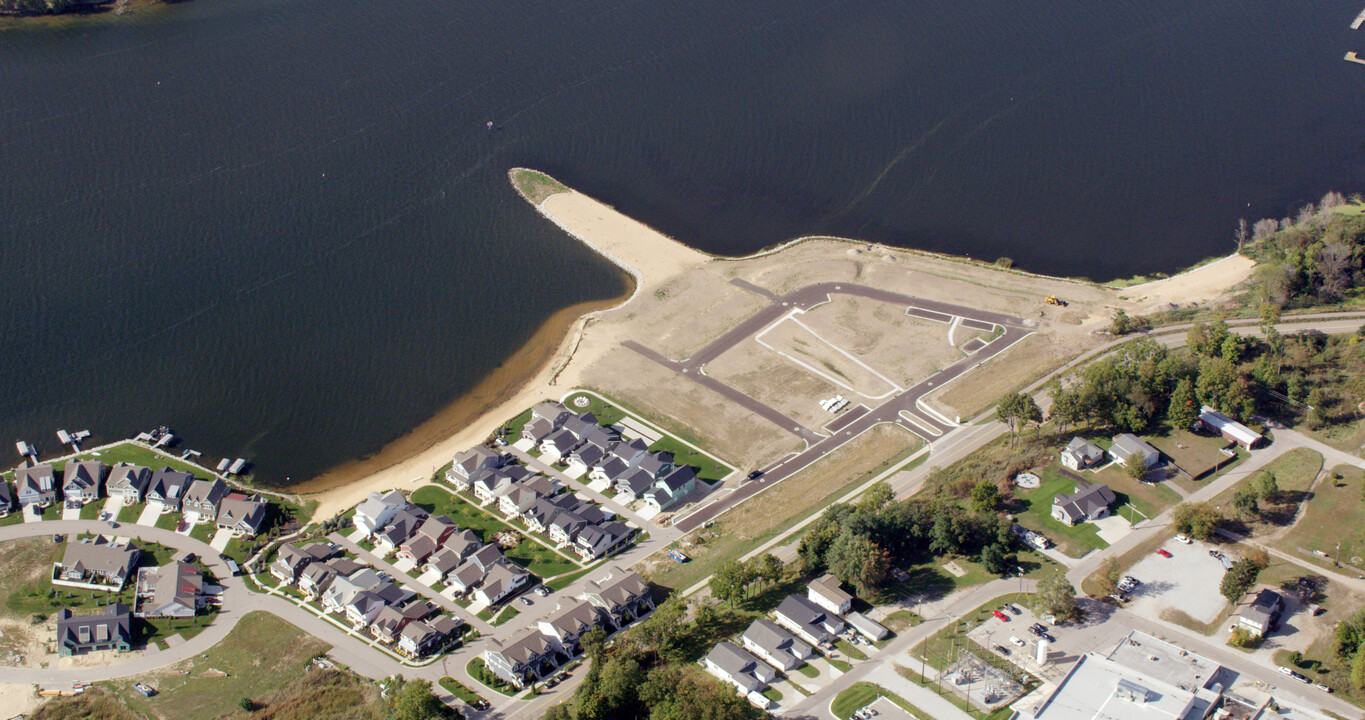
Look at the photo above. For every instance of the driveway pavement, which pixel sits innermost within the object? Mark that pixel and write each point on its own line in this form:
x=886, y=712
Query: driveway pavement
x=149, y=514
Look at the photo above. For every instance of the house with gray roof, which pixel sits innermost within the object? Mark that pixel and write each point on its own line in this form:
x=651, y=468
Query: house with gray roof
x=1081, y=454
x=736, y=666
x=465, y=577
x=438, y=528
x=775, y=645
x=808, y=621
x=1262, y=614
x=867, y=627
x=827, y=592
x=95, y=564
x=403, y=526
x=1091, y=501
x=344, y=588
x=112, y=629
x=421, y=638
x=1231, y=430
x=501, y=582
x=671, y=488
x=173, y=590
x=83, y=480
x=315, y=578
x=471, y=461
x=487, y=557
x=609, y=471
x=375, y=511
x=363, y=608
x=595, y=541
x=129, y=482
x=203, y=499
x=463, y=543
x=168, y=487
x=6, y=498
x=417, y=549
x=634, y=485
x=523, y=660
x=625, y=596
x=1129, y=448
x=569, y=623
x=35, y=485
x=242, y=514
x=565, y=526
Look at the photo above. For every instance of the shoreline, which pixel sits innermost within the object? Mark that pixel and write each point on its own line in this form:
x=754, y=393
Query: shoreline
x=647, y=257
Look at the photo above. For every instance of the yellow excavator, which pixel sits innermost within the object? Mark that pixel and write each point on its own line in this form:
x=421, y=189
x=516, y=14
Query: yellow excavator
x=1052, y=300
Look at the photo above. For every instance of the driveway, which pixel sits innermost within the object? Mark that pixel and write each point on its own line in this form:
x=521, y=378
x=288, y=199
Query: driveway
x=1187, y=581
x=221, y=539
x=71, y=513
x=150, y=514
x=32, y=514
x=113, y=505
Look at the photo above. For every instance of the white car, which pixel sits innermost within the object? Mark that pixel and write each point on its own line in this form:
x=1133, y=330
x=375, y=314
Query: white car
x=1017, y=641
x=1183, y=539
x=1285, y=670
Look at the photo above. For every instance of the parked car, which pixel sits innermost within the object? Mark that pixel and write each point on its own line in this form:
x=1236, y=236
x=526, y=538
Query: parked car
x=1015, y=609
x=104, y=516
x=1118, y=597
x=180, y=527
x=1285, y=670
x=1017, y=641
x=542, y=591
x=1004, y=650
x=1300, y=678
x=1183, y=539
x=1163, y=552
x=525, y=600
x=1323, y=688
x=1215, y=555
x=1000, y=616
x=755, y=474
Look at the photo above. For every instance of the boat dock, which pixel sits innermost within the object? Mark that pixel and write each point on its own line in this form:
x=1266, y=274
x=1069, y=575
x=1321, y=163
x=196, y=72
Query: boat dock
x=1352, y=57
x=25, y=449
x=1360, y=20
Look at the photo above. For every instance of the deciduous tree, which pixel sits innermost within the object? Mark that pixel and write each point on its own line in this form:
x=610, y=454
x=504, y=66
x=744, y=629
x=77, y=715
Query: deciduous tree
x=1197, y=520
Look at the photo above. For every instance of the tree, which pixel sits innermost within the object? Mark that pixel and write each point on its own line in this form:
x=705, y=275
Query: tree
x=767, y=568
x=1267, y=488
x=1108, y=576
x=1197, y=520
x=1244, y=502
x=817, y=540
x=1135, y=468
x=673, y=692
x=414, y=701
x=1216, y=376
x=1018, y=409
x=1239, y=579
x=246, y=704
x=995, y=558
x=1184, y=407
x=1122, y=324
x=1056, y=597
x=986, y=497
x=859, y=562
x=730, y=582
x=1067, y=408
x=877, y=497
x=1358, y=668
x=1350, y=634
x=661, y=630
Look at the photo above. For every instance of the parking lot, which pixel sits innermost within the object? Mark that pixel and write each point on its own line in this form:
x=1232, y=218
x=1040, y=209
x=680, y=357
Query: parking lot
x=1188, y=581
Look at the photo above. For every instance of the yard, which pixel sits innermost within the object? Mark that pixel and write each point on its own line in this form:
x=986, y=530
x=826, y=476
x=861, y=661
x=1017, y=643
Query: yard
x=536, y=557
x=262, y=655
x=1332, y=528
x=1194, y=453
x=860, y=694
x=1033, y=510
x=1294, y=472
x=765, y=515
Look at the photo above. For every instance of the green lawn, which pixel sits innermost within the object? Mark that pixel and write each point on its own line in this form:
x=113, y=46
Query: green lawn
x=1334, y=521
x=1294, y=472
x=260, y=656
x=204, y=532
x=456, y=688
x=479, y=671
x=91, y=510
x=809, y=671
x=536, y=557
x=511, y=430
x=128, y=513
x=508, y=612
x=1192, y=452
x=168, y=521
x=860, y=694
x=13, y=518
x=772, y=694
x=131, y=452
x=1033, y=509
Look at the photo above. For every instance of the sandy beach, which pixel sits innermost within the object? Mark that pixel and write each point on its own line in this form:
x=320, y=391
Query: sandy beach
x=682, y=297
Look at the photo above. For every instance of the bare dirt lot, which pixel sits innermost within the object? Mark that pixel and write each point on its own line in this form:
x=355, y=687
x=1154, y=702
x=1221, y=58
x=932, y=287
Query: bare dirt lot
x=904, y=348
x=776, y=381
x=794, y=340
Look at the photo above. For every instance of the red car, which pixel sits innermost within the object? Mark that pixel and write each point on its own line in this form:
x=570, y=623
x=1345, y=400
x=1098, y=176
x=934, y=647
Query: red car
x=1003, y=617
x=1163, y=552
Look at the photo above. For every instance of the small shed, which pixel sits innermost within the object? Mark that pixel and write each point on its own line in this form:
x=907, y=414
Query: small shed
x=867, y=627
x=1233, y=431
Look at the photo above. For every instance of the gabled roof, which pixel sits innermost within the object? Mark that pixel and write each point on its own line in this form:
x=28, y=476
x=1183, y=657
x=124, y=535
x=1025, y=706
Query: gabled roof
x=467, y=575
x=474, y=458
x=1089, y=498
x=36, y=478
x=736, y=662
x=170, y=484
x=1226, y=425
x=637, y=481
x=437, y=527
x=500, y=577
x=773, y=638
x=125, y=475
x=828, y=587
x=238, y=509
x=177, y=583
x=801, y=610
x=614, y=468
x=617, y=588
x=100, y=556
x=1085, y=449
x=81, y=476
x=1128, y=444
x=463, y=542
x=487, y=556
x=374, y=505
x=575, y=619
x=444, y=560
x=112, y=625
x=551, y=411
x=210, y=492
x=525, y=649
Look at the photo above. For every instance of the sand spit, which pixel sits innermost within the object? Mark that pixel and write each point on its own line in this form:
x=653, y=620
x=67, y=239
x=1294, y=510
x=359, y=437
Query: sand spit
x=684, y=298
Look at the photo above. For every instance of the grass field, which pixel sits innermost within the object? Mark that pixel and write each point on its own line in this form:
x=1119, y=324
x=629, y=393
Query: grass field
x=262, y=655
x=535, y=556
x=1033, y=510
x=860, y=694
x=536, y=185
x=765, y=515
x=1150, y=499
x=1294, y=472
x=1194, y=453
x=1334, y=521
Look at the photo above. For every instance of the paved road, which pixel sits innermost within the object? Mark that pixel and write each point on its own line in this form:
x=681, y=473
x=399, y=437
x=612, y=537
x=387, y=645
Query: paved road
x=901, y=409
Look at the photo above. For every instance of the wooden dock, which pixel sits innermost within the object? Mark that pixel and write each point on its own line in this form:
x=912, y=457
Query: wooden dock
x=1360, y=20
x=1352, y=57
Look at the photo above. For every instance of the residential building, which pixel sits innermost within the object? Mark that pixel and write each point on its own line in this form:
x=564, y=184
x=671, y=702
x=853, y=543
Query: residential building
x=1091, y=501
x=463, y=543
x=526, y=659
x=112, y=629
x=488, y=485
x=128, y=482
x=501, y=582
x=174, y=590
x=375, y=511
x=808, y=621
x=1262, y=615
x=634, y=485
x=465, y=577
x=487, y=556
x=95, y=564
x=438, y=528
x=867, y=627
x=625, y=596
x=1219, y=424
x=670, y=489
x=363, y=608
x=403, y=526
x=1080, y=454
x=6, y=498
x=420, y=638
x=827, y=592
x=241, y=514
x=516, y=501
x=1128, y=448
x=35, y=485
x=565, y=526
x=168, y=487
x=558, y=444
x=344, y=588
x=471, y=461
x=595, y=541
x=417, y=549
x=609, y=470
x=734, y=665
x=292, y=559
x=569, y=623
x=83, y=480
x=779, y=648
x=202, y=500
x=390, y=621
x=315, y=578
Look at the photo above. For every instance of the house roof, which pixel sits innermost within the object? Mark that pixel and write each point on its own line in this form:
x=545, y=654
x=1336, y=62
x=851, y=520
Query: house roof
x=487, y=556
x=83, y=475
x=551, y=411
x=1128, y=444
x=500, y=577
x=240, y=509
x=318, y=574
x=573, y=619
x=676, y=481
x=125, y=475
x=1227, y=426
x=209, y=492
x=420, y=546
x=375, y=505
x=478, y=456
x=800, y=610
x=1084, y=448
x=736, y=662
x=37, y=478
x=170, y=484
x=437, y=526
x=444, y=560
x=419, y=632
x=177, y=582
x=467, y=575
x=865, y=624
x=637, y=481
x=613, y=468
x=463, y=542
x=1089, y=499
x=100, y=556
x=773, y=638
x=617, y=588
x=77, y=631
x=828, y=587
x=445, y=624
x=526, y=648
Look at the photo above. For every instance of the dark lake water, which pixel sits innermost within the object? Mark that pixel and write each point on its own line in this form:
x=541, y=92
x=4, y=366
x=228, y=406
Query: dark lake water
x=281, y=226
